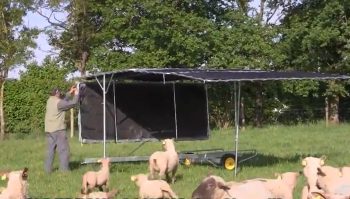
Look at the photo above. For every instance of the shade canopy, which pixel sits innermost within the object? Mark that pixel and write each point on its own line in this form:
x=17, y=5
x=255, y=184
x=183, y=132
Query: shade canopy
x=212, y=75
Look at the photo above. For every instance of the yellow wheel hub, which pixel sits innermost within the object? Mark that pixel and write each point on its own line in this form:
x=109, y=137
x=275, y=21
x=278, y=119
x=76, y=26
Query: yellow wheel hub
x=187, y=162
x=317, y=196
x=229, y=163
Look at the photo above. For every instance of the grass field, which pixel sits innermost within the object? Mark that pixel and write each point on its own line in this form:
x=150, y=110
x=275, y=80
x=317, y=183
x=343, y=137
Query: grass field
x=280, y=149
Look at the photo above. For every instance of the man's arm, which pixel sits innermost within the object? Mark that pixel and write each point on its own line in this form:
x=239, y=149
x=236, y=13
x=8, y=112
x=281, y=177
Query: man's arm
x=66, y=104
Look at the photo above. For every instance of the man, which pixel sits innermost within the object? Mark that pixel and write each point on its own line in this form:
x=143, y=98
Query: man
x=55, y=127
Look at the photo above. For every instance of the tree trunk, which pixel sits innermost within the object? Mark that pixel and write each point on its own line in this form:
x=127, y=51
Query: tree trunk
x=84, y=59
x=334, y=110
x=258, y=105
x=2, y=119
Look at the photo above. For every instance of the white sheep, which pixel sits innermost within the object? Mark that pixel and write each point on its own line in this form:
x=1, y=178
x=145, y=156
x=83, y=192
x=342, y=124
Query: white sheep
x=17, y=186
x=152, y=188
x=331, y=181
x=283, y=186
x=311, y=165
x=92, y=179
x=164, y=162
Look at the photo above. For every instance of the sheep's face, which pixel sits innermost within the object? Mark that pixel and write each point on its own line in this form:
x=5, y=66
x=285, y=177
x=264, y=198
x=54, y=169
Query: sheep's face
x=105, y=162
x=16, y=175
x=311, y=165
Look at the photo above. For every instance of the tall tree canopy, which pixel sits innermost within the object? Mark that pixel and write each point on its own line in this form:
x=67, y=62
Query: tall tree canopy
x=315, y=37
x=16, y=42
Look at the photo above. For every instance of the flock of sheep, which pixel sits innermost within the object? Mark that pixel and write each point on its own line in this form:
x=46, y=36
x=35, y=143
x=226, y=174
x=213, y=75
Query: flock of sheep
x=323, y=181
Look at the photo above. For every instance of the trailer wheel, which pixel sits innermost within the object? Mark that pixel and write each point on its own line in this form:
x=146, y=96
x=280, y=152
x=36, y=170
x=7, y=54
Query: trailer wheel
x=316, y=195
x=228, y=161
x=187, y=162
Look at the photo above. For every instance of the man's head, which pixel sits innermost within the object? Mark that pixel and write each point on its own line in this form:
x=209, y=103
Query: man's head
x=55, y=92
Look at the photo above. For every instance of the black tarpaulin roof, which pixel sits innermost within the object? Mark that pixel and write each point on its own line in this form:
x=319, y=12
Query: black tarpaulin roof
x=211, y=75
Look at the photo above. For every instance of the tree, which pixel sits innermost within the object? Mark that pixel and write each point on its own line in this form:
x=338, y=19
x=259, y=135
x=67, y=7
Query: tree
x=315, y=38
x=74, y=35
x=15, y=42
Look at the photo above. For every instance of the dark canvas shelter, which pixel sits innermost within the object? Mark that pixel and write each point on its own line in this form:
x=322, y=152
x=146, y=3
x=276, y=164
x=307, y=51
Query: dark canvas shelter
x=156, y=103
x=136, y=111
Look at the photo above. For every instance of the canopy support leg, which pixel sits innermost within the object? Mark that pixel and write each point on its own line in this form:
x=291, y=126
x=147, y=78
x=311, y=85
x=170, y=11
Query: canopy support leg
x=237, y=97
x=104, y=115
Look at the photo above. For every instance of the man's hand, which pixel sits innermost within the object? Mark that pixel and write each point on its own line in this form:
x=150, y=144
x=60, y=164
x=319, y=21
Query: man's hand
x=73, y=89
x=76, y=91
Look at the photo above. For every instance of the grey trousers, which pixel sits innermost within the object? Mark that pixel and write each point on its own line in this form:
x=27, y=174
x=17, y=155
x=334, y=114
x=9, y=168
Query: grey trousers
x=57, y=140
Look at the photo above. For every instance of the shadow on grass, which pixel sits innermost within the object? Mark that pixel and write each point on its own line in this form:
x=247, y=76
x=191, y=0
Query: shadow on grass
x=263, y=160
x=75, y=165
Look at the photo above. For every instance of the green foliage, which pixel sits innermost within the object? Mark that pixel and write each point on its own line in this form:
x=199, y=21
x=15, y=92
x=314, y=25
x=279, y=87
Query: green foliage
x=25, y=99
x=315, y=38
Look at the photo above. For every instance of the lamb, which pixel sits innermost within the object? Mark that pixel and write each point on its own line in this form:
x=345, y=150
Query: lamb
x=100, y=195
x=311, y=164
x=164, y=162
x=283, y=186
x=214, y=187
x=17, y=186
x=100, y=179
x=152, y=188
x=331, y=181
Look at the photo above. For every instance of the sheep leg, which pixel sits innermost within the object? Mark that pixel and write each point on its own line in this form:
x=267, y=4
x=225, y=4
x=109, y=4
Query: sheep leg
x=105, y=187
x=173, y=177
x=167, y=177
x=151, y=171
x=161, y=174
x=84, y=186
x=167, y=192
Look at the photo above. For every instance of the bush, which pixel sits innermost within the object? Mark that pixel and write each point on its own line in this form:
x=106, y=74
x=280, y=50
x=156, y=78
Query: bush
x=25, y=99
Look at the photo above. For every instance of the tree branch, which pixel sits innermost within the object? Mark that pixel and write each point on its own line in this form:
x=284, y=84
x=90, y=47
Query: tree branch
x=48, y=18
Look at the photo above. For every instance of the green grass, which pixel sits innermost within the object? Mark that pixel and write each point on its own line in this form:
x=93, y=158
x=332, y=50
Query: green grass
x=280, y=149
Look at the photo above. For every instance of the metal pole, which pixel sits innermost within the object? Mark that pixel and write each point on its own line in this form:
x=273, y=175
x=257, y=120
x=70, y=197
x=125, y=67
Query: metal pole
x=71, y=122
x=104, y=115
x=174, y=96
x=206, y=97
x=237, y=95
x=115, y=112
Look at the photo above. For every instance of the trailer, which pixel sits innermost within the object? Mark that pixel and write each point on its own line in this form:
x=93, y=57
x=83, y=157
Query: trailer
x=215, y=157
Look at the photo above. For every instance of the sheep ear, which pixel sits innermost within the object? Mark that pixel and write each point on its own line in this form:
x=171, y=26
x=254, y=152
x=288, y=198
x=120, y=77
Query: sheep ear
x=133, y=178
x=223, y=186
x=4, y=176
x=25, y=173
x=323, y=158
x=303, y=162
x=163, y=142
x=279, y=176
x=99, y=161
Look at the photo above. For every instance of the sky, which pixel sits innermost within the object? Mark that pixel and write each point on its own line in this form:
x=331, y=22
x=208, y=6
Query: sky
x=35, y=20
